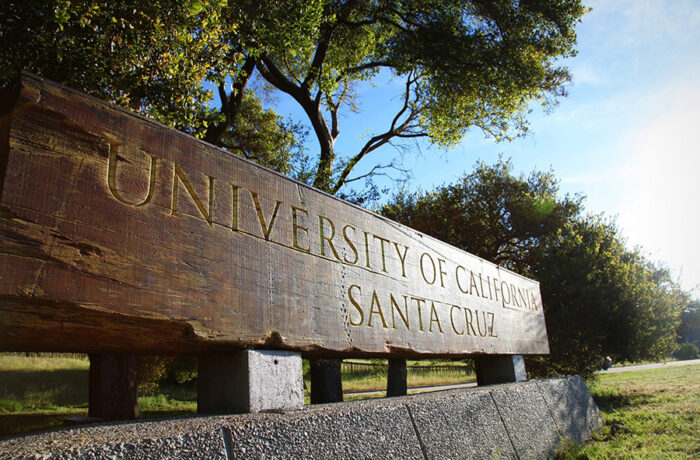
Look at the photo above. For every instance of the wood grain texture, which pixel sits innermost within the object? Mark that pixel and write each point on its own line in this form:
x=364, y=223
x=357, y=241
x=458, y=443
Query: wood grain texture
x=119, y=234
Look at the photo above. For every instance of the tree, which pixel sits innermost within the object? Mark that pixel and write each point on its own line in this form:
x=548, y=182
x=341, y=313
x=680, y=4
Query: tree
x=490, y=213
x=151, y=58
x=689, y=329
x=464, y=63
x=599, y=297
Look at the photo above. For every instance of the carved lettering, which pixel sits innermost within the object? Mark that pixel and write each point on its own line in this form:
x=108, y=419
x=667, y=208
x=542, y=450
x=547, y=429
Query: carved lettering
x=459, y=285
x=402, y=258
x=402, y=315
x=378, y=310
x=112, y=177
x=452, y=319
x=382, y=241
x=350, y=244
x=265, y=227
x=478, y=323
x=468, y=319
x=434, y=318
x=355, y=304
x=234, y=206
x=472, y=285
x=179, y=176
x=419, y=303
x=296, y=227
x=323, y=236
x=442, y=272
x=367, y=250
x=504, y=292
x=432, y=265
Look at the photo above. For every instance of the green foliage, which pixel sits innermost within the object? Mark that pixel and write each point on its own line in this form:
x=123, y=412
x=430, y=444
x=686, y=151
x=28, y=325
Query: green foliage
x=262, y=136
x=153, y=371
x=490, y=213
x=686, y=351
x=602, y=299
x=151, y=58
x=689, y=329
x=599, y=297
x=465, y=64
x=182, y=370
x=150, y=370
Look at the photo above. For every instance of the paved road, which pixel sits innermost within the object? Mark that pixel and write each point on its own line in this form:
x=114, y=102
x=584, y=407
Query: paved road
x=413, y=390
x=643, y=367
x=612, y=370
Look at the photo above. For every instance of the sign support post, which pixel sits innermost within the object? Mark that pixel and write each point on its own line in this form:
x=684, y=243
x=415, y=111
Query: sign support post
x=493, y=369
x=112, y=389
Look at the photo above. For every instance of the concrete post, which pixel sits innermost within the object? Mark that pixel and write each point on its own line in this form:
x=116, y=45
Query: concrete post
x=492, y=369
x=249, y=381
x=112, y=389
x=326, y=381
x=396, y=382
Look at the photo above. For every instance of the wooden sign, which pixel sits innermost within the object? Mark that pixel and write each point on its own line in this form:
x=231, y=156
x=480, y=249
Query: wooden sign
x=122, y=235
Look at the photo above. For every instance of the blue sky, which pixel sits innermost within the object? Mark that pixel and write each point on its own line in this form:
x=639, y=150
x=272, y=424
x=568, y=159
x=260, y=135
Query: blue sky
x=627, y=136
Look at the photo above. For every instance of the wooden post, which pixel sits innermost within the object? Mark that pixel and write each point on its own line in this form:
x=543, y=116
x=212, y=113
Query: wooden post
x=326, y=381
x=396, y=382
x=493, y=369
x=112, y=393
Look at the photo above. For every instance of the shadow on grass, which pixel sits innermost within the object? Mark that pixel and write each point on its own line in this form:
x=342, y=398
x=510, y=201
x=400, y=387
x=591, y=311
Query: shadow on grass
x=15, y=424
x=612, y=401
x=67, y=387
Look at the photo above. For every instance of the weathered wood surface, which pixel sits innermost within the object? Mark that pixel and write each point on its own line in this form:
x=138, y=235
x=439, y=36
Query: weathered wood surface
x=121, y=235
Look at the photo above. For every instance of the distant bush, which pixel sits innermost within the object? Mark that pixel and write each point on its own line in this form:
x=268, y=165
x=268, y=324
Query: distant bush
x=686, y=351
x=154, y=370
x=182, y=369
x=150, y=370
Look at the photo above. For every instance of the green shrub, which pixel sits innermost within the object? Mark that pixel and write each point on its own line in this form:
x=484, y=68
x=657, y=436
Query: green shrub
x=153, y=370
x=182, y=369
x=686, y=351
x=150, y=370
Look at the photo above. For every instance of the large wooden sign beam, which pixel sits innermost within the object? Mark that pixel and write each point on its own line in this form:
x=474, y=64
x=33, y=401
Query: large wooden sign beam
x=122, y=235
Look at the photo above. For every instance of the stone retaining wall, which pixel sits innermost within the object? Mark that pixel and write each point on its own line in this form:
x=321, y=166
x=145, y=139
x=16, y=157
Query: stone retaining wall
x=519, y=420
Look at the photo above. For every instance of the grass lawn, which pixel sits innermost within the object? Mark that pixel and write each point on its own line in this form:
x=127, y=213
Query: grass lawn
x=415, y=377
x=38, y=393
x=648, y=414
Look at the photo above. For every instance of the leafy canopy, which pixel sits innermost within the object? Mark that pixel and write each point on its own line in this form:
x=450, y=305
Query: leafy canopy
x=600, y=298
x=463, y=63
x=150, y=57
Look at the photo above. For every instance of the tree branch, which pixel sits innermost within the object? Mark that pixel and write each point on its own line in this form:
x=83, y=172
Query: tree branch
x=231, y=104
x=381, y=139
x=360, y=68
x=271, y=73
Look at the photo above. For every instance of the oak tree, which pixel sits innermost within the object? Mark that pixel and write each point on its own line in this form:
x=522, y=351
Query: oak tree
x=463, y=63
x=600, y=298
